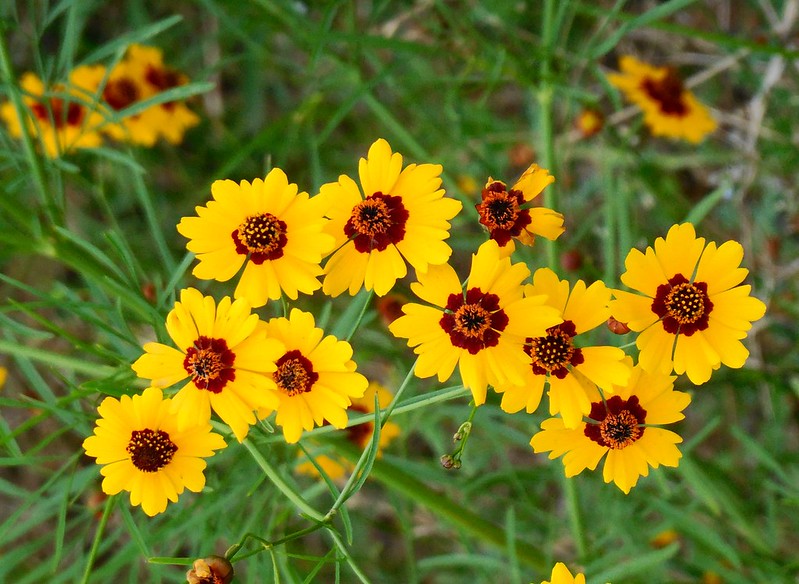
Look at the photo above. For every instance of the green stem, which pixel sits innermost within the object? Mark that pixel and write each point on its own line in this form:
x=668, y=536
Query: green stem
x=545, y=97
x=575, y=516
x=98, y=536
x=415, y=490
x=610, y=251
x=345, y=552
x=152, y=222
x=355, y=476
x=361, y=314
x=267, y=545
x=34, y=161
x=282, y=485
x=55, y=360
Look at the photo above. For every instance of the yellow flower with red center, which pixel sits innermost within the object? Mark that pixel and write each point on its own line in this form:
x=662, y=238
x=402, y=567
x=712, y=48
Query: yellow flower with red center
x=562, y=575
x=144, y=451
x=401, y=215
x=508, y=215
x=692, y=311
x=225, y=355
x=267, y=226
x=143, y=68
x=669, y=108
x=623, y=429
x=64, y=117
x=336, y=467
x=482, y=329
x=315, y=376
x=556, y=360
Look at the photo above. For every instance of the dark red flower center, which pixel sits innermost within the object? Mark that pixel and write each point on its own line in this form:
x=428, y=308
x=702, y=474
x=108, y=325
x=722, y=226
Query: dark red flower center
x=210, y=364
x=162, y=79
x=150, y=450
x=377, y=222
x=501, y=213
x=295, y=374
x=72, y=116
x=683, y=306
x=668, y=92
x=121, y=93
x=474, y=321
x=616, y=423
x=555, y=351
x=262, y=237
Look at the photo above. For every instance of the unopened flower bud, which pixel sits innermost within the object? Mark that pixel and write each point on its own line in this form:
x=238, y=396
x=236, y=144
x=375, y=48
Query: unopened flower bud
x=210, y=570
x=617, y=327
x=447, y=461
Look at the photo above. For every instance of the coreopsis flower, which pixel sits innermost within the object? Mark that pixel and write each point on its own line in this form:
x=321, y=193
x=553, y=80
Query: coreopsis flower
x=691, y=310
x=335, y=466
x=625, y=427
x=267, y=226
x=556, y=358
x=64, y=117
x=226, y=357
x=145, y=452
x=481, y=329
x=669, y=108
x=315, y=376
x=398, y=215
x=170, y=119
x=127, y=85
x=562, y=575
x=507, y=213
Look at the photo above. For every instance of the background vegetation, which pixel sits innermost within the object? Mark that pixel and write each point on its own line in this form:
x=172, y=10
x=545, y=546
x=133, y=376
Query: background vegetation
x=91, y=263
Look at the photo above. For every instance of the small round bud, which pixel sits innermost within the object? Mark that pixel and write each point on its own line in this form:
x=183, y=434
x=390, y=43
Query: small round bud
x=210, y=570
x=617, y=327
x=447, y=461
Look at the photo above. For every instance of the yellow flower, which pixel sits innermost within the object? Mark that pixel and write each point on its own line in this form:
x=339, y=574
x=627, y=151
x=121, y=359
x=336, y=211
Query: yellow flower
x=481, y=330
x=127, y=85
x=63, y=117
x=693, y=312
x=143, y=68
x=224, y=354
x=554, y=359
x=623, y=427
x=266, y=225
x=315, y=376
x=502, y=214
x=336, y=467
x=401, y=216
x=669, y=109
x=144, y=452
x=561, y=575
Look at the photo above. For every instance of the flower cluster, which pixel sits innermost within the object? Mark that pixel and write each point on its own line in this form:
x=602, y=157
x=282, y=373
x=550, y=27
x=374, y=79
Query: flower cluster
x=96, y=101
x=521, y=334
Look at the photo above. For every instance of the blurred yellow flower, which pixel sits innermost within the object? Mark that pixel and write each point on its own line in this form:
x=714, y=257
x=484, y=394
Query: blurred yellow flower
x=64, y=117
x=669, y=109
